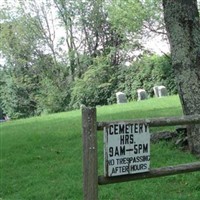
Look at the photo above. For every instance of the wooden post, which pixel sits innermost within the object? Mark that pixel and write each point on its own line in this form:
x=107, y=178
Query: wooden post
x=90, y=170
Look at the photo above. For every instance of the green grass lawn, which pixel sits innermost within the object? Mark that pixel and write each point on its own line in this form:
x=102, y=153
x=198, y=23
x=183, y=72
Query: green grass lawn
x=41, y=157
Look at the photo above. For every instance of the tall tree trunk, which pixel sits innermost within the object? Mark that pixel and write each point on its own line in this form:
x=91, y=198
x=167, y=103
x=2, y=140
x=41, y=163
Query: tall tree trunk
x=183, y=27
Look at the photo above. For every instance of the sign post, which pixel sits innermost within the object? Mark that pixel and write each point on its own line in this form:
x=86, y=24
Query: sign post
x=126, y=149
x=90, y=165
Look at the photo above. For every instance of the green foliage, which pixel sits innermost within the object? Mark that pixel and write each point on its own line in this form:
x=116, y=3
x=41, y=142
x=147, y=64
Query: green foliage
x=40, y=88
x=51, y=98
x=95, y=87
x=147, y=73
x=123, y=12
x=101, y=81
x=18, y=96
x=129, y=15
x=42, y=75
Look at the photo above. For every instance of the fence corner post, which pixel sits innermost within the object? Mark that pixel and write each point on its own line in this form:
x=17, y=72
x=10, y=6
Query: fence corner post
x=90, y=160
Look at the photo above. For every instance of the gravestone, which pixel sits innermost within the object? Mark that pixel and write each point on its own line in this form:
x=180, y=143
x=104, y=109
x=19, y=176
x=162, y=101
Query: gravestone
x=142, y=95
x=121, y=97
x=2, y=119
x=162, y=91
x=1, y=114
x=155, y=89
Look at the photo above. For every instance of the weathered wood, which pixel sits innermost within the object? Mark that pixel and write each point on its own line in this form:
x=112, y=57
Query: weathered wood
x=155, y=122
x=90, y=170
x=154, y=173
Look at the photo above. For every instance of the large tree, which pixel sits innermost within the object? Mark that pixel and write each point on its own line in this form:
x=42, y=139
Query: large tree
x=183, y=27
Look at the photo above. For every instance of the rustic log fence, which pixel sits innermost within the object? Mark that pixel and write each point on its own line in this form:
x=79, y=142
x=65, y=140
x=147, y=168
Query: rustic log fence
x=91, y=180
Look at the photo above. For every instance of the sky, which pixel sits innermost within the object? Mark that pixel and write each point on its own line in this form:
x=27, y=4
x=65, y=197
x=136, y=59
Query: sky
x=155, y=44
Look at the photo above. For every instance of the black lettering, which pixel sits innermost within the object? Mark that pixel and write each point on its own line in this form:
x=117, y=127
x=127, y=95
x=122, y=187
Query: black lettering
x=116, y=129
x=138, y=167
x=145, y=148
x=145, y=166
x=114, y=170
x=122, y=150
x=126, y=139
x=116, y=151
x=127, y=128
x=133, y=167
x=111, y=162
x=130, y=159
x=138, y=158
x=140, y=128
x=131, y=128
x=146, y=127
x=111, y=129
x=122, y=139
x=136, y=128
x=125, y=169
x=135, y=149
x=121, y=128
x=131, y=139
x=111, y=151
x=140, y=147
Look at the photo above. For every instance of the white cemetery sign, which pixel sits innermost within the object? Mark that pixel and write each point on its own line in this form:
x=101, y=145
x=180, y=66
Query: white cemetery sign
x=126, y=149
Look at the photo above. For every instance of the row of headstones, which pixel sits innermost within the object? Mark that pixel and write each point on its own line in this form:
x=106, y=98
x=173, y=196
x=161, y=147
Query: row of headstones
x=159, y=91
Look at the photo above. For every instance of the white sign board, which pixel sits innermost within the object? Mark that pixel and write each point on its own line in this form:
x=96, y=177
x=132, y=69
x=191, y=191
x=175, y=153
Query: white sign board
x=126, y=149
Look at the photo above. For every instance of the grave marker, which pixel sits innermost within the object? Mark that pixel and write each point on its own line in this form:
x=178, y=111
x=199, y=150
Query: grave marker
x=155, y=89
x=162, y=91
x=142, y=95
x=121, y=97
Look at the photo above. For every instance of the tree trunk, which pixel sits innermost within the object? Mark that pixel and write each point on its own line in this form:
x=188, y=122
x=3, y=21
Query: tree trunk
x=183, y=28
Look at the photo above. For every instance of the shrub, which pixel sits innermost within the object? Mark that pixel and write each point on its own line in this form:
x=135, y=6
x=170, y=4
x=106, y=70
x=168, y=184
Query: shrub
x=18, y=97
x=147, y=73
x=95, y=87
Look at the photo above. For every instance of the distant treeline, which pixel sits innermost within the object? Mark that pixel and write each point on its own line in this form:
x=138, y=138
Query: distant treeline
x=60, y=54
x=30, y=94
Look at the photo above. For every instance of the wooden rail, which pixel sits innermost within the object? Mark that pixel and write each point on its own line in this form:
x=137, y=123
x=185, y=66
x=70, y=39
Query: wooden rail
x=155, y=122
x=90, y=159
x=153, y=173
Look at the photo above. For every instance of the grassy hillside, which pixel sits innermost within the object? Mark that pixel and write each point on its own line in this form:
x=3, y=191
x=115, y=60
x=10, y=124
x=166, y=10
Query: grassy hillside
x=41, y=157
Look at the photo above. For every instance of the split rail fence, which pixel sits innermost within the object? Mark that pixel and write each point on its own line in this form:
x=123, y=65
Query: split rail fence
x=91, y=180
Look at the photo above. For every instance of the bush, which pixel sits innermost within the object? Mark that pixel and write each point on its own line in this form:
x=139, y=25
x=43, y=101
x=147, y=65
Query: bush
x=18, y=97
x=95, y=87
x=147, y=73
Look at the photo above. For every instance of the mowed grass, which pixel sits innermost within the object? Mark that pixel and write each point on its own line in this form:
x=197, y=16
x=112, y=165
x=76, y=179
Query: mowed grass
x=41, y=157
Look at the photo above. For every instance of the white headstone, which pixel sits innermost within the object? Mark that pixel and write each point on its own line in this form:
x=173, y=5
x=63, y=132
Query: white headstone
x=162, y=91
x=121, y=97
x=141, y=94
x=155, y=89
x=1, y=113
